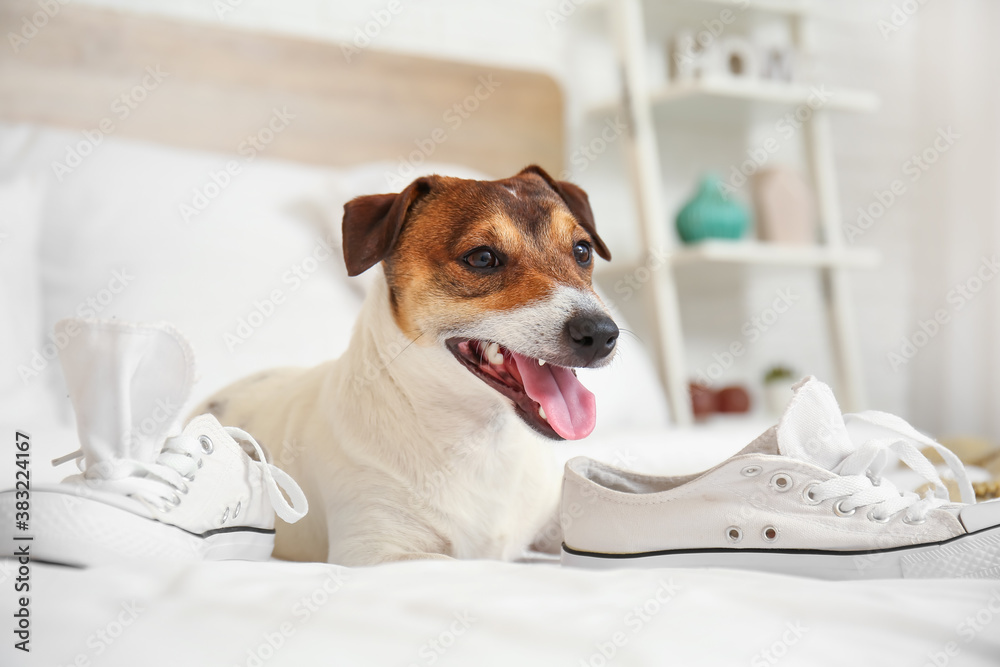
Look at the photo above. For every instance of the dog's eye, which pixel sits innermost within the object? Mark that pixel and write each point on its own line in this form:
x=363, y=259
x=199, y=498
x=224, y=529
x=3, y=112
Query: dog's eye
x=582, y=253
x=482, y=258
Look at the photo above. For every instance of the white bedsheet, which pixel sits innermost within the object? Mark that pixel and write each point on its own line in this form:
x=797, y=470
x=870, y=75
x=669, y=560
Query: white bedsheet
x=490, y=613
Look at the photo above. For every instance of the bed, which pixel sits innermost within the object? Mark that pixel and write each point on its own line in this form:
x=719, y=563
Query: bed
x=115, y=235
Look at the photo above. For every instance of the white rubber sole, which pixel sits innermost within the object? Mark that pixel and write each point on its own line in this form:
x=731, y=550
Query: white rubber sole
x=72, y=530
x=976, y=555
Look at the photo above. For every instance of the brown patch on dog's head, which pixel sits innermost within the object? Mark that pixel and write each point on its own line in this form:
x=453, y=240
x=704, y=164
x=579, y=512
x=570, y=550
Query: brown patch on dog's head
x=424, y=234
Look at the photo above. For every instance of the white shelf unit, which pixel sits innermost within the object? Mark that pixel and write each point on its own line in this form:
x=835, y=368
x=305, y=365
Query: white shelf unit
x=640, y=101
x=772, y=254
x=735, y=92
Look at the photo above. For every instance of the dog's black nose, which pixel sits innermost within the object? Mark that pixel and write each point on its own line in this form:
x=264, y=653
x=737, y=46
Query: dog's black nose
x=592, y=337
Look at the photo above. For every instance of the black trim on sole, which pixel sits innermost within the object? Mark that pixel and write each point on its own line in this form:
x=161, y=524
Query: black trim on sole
x=231, y=529
x=44, y=561
x=801, y=552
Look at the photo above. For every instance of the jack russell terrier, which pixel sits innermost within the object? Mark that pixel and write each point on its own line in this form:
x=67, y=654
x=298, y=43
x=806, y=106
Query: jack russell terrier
x=413, y=443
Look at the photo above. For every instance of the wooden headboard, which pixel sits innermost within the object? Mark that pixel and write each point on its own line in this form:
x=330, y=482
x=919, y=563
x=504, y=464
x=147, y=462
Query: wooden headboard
x=223, y=85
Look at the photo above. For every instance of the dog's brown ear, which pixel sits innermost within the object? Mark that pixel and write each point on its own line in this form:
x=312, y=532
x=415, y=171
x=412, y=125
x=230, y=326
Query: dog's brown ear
x=579, y=205
x=372, y=224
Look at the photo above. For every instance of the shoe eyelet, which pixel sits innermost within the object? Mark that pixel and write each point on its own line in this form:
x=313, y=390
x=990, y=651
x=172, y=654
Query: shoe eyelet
x=751, y=471
x=913, y=522
x=184, y=489
x=189, y=478
x=839, y=510
x=206, y=444
x=807, y=494
x=781, y=482
x=770, y=533
x=236, y=512
x=872, y=517
x=225, y=515
x=174, y=501
x=734, y=534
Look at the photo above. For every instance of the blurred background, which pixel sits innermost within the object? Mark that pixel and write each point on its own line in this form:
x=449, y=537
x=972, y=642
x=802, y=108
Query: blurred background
x=787, y=187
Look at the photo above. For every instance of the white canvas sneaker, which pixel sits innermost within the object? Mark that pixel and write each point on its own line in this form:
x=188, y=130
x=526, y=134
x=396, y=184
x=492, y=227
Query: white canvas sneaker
x=146, y=490
x=806, y=497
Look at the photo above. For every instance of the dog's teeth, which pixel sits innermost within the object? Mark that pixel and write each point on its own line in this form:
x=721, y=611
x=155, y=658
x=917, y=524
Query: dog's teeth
x=541, y=362
x=541, y=413
x=494, y=355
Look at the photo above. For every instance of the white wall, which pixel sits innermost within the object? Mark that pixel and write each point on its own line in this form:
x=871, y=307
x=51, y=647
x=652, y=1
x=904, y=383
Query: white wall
x=955, y=368
x=870, y=151
x=502, y=32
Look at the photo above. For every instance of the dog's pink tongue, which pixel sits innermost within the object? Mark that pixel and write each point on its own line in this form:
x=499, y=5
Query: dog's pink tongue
x=570, y=408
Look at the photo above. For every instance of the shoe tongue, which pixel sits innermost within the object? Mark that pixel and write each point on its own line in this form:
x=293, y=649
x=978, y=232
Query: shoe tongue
x=570, y=408
x=812, y=428
x=128, y=384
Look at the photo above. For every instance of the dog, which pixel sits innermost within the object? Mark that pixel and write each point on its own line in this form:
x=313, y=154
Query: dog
x=421, y=441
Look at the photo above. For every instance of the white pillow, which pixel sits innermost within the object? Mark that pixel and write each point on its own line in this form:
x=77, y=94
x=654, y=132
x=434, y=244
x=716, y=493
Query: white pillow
x=22, y=395
x=253, y=279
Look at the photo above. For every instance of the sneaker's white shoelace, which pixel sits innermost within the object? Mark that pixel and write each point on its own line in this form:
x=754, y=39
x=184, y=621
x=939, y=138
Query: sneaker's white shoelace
x=160, y=485
x=860, y=483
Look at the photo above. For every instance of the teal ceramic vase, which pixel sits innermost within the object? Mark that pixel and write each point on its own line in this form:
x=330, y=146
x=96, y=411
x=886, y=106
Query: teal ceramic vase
x=710, y=214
